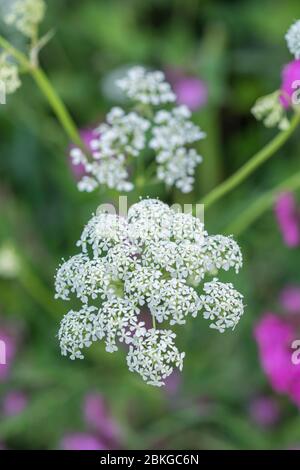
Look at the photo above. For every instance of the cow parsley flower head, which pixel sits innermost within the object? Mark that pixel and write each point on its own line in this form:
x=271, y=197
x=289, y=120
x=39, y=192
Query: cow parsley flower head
x=293, y=39
x=167, y=136
x=153, y=355
x=25, y=15
x=157, y=260
x=9, y=74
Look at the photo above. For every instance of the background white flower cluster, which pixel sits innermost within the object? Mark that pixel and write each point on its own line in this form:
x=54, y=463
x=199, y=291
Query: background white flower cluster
x=166, y=133
x=293, y=39
x=24, y=15
x=151, y=263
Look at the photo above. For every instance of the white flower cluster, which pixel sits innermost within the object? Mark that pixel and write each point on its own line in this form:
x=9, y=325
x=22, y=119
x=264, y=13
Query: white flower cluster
x=25, y=15
x=154, y=261
x=270, y=110
x=123, y=137
x=172, y=132
x=293, y=39
x=9, y=74
x=146, y=87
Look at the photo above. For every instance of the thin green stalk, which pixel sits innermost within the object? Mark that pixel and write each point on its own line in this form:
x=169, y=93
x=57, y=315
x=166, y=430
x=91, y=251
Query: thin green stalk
x=258, y=159
x=48, y=91
x=260, y=205
x=37, y=290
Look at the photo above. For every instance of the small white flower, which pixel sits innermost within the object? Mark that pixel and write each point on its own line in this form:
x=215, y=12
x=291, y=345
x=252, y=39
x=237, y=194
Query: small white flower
x=222, y=304
x=222, y=253
x=102, y=232
x=25, y=15
x=84, y=277
x=9, y=74
x=146, y=87
x=293, y=39
x=10, y=263
x=270, y=111
x=77, y=331
x=172, y=132
x=154, y=356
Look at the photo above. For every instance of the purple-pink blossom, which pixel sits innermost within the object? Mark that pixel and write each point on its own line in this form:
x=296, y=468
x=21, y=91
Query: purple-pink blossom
x=288, y=219
x=264, y=411
x=14, y=403
x=82, y=441
x=87, y=136
x=290, y=76
x=98, y=417
x=274, y=337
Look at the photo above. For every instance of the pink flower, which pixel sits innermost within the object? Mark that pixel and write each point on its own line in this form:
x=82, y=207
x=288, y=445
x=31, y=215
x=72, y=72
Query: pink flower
x=97, y=416
x=82, y=441
x=290, y=74
x=264, y=411
x=14, y=403
x=274, y=337
x=290, y=299
x=87, y=136
x=190, y=91
x=9, y=341
x=172, y=383
x=287, y=218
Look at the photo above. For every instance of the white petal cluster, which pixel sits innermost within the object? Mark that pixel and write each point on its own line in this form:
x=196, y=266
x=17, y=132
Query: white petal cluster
x=222, y=253
x=293, y=39
x=146, y=87
x=167, y=135
x=222, y=304
x=270, y=111
x=172, y=133
x=153, y=356
x=155, y=261
x=25, y=15
x=9, y=75
x=116, y=141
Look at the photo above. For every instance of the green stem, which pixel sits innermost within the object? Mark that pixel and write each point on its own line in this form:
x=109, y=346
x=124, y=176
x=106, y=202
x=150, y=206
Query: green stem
x=48, y=91
x=263, y=203
x=260, y=157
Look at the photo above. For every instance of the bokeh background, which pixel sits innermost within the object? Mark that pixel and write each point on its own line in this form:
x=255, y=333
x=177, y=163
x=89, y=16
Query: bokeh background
x=223, y=399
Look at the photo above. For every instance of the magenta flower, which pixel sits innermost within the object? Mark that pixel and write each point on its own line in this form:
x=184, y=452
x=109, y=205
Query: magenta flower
x=14, y=403
x=87, y=136
x=9, y=340
x=290, y=75
x=274, y=337
x=82, y=441
x=190, y=90
x=98, y=417
x=264, y=411
x=290, y=299
x=287, y=218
